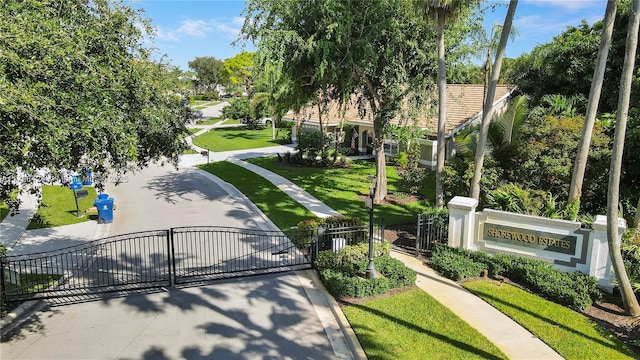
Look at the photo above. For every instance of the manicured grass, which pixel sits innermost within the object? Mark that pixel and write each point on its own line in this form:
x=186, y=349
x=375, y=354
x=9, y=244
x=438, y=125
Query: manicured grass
x=4, y=211
x=568, y=332
x=58, y=207
x=210, y=121
x=193, y=130
x=339, y=189
x=278, y=206
x=226, y=139
x=413, y=325
x=232, y=121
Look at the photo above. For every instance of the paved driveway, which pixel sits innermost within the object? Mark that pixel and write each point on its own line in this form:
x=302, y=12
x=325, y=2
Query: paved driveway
x=266, y=317
x=161, y=197
x=279, y=316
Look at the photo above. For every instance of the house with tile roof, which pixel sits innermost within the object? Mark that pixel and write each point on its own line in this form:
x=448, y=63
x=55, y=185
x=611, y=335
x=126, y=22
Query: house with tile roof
x=464, y=108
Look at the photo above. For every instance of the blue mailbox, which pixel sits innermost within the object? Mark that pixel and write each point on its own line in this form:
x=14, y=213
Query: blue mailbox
x=104, y=205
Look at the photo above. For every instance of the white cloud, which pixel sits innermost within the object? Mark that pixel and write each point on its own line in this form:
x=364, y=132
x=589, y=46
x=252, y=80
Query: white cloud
x=166, y=35
x=198, y=28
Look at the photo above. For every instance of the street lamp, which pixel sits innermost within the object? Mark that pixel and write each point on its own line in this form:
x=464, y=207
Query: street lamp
x=371, y=268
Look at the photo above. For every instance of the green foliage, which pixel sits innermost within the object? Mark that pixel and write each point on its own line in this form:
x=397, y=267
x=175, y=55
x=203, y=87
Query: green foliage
x=238, y=108
x=575, y=289
x=546, y=148
x=79, y=89
x=455, y=265
x=209, y=71
x=342, y=274
x=513, y=198
x=402, y=160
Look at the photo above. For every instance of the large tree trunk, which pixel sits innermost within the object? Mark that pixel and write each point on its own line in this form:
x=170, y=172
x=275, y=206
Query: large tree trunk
x=381, y=172
x=442, y=112
x=628, y=297
x=487, y=111
x=577, y=178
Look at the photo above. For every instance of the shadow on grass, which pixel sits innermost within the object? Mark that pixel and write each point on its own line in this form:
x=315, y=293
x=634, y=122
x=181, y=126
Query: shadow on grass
x=547, y=320
x=457, y=343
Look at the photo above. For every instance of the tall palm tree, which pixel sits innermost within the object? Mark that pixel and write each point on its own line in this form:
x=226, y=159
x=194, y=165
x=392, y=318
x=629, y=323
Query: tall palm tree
x=580, y=164
x=488, y=100
x=442, y=13
x=629, y=299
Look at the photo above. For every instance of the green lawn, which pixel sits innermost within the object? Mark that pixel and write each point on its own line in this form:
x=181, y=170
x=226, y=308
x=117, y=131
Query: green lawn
x=210, y=121
x=413, y=325
x=58, y=207
x=226, y=139
x=570, y=333
x=232, y=122
x=278, y=206
x=4, y=211
x=339, y=189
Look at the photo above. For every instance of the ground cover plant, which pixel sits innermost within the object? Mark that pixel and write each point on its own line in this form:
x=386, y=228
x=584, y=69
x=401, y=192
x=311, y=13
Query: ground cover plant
x=58, y=207
x=226, y=139
x=568, y=332
x=413, y=325
x=278, y=206
x=344, y=188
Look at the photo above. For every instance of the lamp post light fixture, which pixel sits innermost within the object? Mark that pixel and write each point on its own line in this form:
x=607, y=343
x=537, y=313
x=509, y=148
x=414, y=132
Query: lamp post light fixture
x=371, y=268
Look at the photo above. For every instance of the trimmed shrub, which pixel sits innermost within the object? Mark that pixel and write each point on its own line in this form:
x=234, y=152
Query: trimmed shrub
x=576, y=290
x=455, y=265
x=342, y=273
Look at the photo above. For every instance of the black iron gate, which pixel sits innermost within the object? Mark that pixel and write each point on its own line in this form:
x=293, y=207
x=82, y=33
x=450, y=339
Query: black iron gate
x=154, y=259
x=204, y=252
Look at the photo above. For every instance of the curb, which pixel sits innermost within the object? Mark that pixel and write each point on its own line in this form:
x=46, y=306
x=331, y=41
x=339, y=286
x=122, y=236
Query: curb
x=11, y=321
x=343, y=339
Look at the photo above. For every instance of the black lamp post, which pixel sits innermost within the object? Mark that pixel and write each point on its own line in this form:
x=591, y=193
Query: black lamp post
x=371, y=268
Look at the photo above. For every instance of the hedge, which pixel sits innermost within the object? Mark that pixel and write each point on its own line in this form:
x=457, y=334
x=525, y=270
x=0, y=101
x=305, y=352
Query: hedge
x=575, y=289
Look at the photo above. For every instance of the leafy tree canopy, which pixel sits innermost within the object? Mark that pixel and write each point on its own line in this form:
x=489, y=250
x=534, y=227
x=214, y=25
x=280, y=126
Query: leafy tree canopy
x=565, y=65
x=77, y=90
x=209, y=70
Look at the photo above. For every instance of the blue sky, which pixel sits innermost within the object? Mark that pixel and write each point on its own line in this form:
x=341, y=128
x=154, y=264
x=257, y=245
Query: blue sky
x=190, y=28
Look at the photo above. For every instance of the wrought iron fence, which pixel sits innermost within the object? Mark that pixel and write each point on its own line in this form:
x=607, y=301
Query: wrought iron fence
x=154, y=259
x=432, y=229
x=137, y=260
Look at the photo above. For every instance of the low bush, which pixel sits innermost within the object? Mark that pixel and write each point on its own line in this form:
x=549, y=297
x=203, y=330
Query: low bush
x=350, y=282
x=455, y=265
x=576, y=290
x=343, y=272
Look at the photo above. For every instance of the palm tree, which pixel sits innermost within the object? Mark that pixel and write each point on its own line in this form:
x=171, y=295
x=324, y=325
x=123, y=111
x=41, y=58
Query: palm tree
x=488, y=100
x=442, y=12
x=629, y=299
x=580, y=164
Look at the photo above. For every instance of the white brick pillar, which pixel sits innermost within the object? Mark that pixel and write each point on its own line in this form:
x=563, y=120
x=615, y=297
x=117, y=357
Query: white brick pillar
x=462, y=212
x=601, y=266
